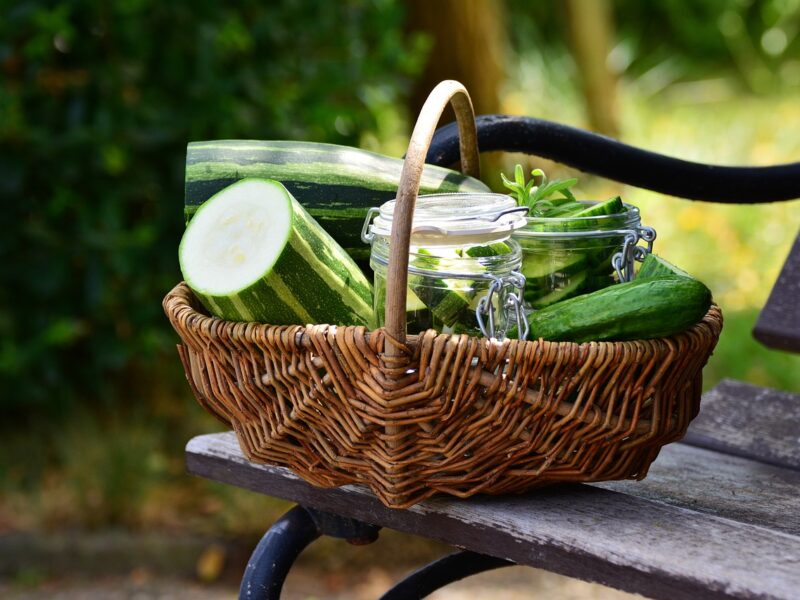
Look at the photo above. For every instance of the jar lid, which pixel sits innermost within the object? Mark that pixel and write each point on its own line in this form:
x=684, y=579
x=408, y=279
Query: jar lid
x=458, y=218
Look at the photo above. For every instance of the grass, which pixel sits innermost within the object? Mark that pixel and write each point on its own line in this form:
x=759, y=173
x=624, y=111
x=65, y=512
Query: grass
x=96, y=470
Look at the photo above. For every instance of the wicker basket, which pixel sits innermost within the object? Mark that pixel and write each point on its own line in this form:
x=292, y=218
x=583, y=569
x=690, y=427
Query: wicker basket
x=412, y=416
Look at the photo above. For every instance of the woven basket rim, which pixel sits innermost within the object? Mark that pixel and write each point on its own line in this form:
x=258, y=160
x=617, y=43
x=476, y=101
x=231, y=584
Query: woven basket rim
x=619, y=418
x=181, y=298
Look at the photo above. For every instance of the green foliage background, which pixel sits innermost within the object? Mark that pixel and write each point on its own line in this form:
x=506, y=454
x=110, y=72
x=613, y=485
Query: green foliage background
x=99, y=99
x=752, y=42
x=97, y=104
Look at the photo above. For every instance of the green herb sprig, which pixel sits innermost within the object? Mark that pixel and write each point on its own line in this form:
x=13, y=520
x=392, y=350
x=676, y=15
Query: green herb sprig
x=536, y=196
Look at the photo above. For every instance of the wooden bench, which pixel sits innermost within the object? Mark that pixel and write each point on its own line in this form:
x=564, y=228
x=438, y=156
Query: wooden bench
x=718, y=516
x=778, y=325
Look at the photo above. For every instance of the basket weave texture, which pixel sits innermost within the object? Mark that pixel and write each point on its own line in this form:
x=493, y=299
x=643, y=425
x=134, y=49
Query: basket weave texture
x=471, y=415
x=413, y=416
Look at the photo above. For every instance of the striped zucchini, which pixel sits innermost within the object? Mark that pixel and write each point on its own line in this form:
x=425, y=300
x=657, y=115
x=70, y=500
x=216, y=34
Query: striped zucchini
x=252, y=253
x=335, y=184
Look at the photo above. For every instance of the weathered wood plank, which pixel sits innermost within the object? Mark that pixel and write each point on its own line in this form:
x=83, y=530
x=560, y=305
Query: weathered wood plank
x=655, y=546
x=717, y=484
x=750, y=421
x=778, y=325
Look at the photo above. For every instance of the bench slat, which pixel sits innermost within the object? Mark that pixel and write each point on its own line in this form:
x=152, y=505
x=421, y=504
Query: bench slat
x=778, y=325
x=717, y=484
x=653, y=545
x=750, y=421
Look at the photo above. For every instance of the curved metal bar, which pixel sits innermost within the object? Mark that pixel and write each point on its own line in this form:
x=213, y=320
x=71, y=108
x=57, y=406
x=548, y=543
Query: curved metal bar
x=442, y=572
x=275, y=554
x=354, y=531
x=609, y=158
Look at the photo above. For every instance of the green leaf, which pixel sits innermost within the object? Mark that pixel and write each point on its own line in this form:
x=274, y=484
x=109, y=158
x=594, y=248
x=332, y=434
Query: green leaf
x=527, y=193
x=519, y=175
x=568, y=195
x=519, y=189
x=540, y=208
x=548, y=189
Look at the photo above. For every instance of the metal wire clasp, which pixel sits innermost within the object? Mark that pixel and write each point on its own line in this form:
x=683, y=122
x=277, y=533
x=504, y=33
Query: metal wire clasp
x=623, y=261
x=366, y=236
x=513, y=302
x=648, y=234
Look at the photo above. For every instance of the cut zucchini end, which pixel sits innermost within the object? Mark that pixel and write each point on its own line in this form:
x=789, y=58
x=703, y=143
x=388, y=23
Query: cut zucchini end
x=235, y=238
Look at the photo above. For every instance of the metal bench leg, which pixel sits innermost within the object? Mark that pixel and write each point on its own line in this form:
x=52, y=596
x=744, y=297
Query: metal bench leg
x=442, y=572
x=286, y=539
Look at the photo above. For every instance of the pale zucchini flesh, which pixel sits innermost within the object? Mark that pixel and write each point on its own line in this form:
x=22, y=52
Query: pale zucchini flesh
x=252, y=253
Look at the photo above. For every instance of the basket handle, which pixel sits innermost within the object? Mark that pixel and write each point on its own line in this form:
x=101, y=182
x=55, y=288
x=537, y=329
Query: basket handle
x=447, y=91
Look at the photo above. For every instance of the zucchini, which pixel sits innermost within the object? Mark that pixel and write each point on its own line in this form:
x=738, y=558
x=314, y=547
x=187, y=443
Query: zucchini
x=449, y=302
x=335, y=184
x=252, y=253
x=640, y=309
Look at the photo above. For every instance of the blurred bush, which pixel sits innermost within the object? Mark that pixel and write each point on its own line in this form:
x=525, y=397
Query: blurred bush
x=97, y=104
x=99, y=99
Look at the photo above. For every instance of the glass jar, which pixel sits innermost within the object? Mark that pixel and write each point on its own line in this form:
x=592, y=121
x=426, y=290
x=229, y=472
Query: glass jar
x=463, y=266
x=565, y=257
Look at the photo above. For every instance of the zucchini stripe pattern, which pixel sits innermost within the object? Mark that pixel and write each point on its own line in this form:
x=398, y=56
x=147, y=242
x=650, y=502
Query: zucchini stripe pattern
x=305, y=277
x=335, y=184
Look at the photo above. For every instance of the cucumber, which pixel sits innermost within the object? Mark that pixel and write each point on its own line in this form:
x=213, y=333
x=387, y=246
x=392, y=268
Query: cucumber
x=335, y=184
x=552, y=277
x=655, y=266
x=457, y=309
x=572, y=286
x=493, y=249
x=612, y=206
x=252, y=253
x=413, y=303
x=600, y=252
x=540, y=265
x=557, y=268
x=445, y=298
x=450, y=302
x=597, y=282
x=567, y=209
x=639, y=309
x=578, y=210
